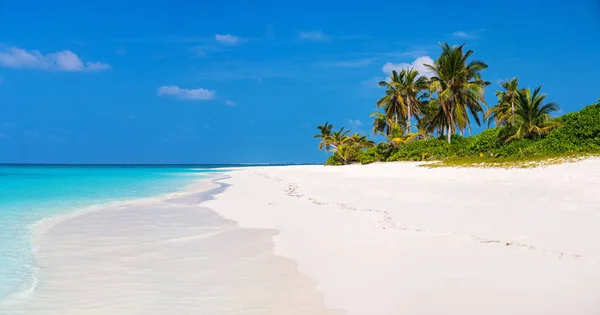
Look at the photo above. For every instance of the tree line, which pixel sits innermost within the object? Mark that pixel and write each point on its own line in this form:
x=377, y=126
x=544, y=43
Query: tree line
x=442, y=105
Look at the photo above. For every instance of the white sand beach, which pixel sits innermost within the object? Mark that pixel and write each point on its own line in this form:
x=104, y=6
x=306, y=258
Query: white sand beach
x=403, y=239
x=381, y=239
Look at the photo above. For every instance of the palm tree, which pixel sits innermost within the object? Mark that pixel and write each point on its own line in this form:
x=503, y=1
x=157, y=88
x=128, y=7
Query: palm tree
x=380, y=123
x=346, y=147
x=403, y=96
x=338, y=138
x=324, y=134
x=532, y=117
x=411, y=87
x=346, y=152
x=432, y=118
x=396, y=136
x=458, y=87
x=361, y=141
x=505, y=109
x=391, y=103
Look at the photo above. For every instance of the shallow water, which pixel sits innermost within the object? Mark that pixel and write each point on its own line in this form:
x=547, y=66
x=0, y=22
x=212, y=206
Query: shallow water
x=165, y=256
x=32, y=193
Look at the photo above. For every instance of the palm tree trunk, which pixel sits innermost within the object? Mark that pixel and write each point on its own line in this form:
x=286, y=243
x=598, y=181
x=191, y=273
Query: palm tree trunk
x=512, y=118
x=408, y=116
x=450, y=123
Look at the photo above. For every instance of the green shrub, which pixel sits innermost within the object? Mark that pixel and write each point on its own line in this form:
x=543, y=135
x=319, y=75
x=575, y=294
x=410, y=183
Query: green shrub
x=487, y=142
x=334, y=160
x=579, y=133
x=373, y=154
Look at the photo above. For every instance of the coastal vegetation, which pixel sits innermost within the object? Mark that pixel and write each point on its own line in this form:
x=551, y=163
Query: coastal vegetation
x=444, y=106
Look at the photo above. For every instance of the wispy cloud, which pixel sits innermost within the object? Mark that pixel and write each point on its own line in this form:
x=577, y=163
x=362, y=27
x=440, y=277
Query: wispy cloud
x=467, y=35
x=355, y=122
x=198, y=94
x=230, y=103
x=315, y=36
x=418, y=65
x=227, y=39
x=350, y=63
x=66, y=60
x=203, y=50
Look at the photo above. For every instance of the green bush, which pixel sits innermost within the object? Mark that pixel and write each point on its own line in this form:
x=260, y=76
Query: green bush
x=373, y=154
x=334, y=160
x=579, y=133
x=487, y=142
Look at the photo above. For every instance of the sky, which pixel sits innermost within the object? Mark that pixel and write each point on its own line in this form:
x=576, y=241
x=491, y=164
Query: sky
x=248, y=81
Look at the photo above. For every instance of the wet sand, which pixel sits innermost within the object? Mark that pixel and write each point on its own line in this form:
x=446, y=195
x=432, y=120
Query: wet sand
x=171, y=256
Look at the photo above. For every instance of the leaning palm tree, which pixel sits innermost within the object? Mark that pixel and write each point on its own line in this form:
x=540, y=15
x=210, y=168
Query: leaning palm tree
x=347, y=147
x=396, y=137
x=338, y=138
x=324, y=134
x=503, y=112
x=346, y=153
x=361, y=141
x=532, y=117
x=458, y=87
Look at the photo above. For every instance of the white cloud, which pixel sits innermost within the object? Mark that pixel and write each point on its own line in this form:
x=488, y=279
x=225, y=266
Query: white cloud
x=186, y=94
x=227, y=39
x=315, y=36
x=418, y=65
x=66, y=60
x=355, y=122
x=463, y=34
x=230, y=103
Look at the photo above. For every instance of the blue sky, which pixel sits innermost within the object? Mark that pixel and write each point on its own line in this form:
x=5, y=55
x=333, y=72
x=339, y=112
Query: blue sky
x=230, y=82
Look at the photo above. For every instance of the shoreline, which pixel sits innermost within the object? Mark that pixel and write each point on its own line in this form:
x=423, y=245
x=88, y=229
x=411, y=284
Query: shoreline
x=381, y=239
x=75, y=248
x=42, y=226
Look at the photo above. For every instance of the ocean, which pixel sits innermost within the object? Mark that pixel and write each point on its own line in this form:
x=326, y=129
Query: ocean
x=30, y=193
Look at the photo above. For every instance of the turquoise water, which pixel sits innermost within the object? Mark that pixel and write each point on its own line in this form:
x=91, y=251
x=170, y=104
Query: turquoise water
x=31, y=193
